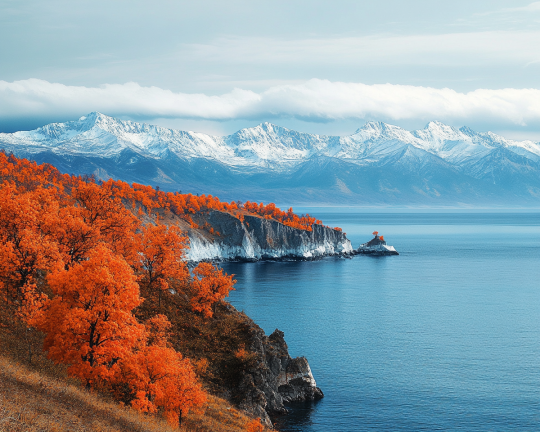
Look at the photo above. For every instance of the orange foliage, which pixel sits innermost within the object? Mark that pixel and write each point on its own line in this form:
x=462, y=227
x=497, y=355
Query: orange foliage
x=255, y=426
x=160, y=257
x=210, y=285
x=157, y=329
x=288, y=218
x=26, y=245
x=160, y=378
x=89, y=322
x=104, y=212
x=145, y=197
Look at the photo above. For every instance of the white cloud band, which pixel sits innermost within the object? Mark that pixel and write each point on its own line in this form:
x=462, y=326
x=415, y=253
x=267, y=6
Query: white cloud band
x=313, y=100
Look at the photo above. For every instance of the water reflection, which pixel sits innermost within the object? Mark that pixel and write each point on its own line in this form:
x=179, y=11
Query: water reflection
x=299, y=417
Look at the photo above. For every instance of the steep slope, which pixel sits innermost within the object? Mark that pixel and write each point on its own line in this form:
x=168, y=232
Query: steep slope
x=30, y=400
x=378, y=164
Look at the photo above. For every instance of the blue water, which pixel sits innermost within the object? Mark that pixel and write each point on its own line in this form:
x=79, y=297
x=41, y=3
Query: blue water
x=444, y=337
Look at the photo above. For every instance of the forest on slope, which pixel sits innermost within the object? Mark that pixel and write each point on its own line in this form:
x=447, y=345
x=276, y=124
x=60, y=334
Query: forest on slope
x=95, y=291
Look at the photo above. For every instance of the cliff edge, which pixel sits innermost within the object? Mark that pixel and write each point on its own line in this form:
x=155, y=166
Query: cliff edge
x=256, y=238
x=274, y=378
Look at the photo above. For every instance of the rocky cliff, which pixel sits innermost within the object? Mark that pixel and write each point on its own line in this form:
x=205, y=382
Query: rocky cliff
x=274, y=377
x=257, y=238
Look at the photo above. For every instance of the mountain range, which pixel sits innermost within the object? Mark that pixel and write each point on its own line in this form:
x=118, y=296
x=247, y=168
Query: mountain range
x=380, y=164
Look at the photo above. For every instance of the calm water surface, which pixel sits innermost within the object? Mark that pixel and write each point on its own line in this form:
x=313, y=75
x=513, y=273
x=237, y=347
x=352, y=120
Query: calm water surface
x=445, y=336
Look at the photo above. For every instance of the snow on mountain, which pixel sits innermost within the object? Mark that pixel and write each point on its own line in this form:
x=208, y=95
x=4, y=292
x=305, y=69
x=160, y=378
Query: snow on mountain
x=99, y=135
x=281, y=158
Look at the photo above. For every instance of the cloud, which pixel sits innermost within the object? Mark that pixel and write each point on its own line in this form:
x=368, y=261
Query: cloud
x=314, y=100
x=448, y=49
x=531, y=7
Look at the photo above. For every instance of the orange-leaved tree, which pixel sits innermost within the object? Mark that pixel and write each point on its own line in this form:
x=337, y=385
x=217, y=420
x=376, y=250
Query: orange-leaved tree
x=210, y=285
x=26, y=246
x=160, y=378
x=89, y=322
x=101, y=211
x=160, y=257
x=75, y=237
x=157, y=330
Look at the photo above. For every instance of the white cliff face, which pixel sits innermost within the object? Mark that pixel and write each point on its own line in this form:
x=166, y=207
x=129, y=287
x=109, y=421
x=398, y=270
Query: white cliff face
x=202, y=249
x=263, y=239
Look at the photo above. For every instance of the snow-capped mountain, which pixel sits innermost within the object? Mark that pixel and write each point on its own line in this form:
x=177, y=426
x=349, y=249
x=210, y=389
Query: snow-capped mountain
x=379, y=163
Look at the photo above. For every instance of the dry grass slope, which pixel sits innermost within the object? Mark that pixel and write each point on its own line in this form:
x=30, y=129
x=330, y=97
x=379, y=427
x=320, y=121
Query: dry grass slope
x=37, y=395
x=30, y=401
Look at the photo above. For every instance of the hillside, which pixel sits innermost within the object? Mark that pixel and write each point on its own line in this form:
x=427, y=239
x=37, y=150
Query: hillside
x=95, y=286
x=33, y=401
x=378, y=164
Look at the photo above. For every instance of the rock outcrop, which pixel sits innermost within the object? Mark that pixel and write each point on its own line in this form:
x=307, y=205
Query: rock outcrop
x=376, y=246
x=274, y=377
x=257, y=238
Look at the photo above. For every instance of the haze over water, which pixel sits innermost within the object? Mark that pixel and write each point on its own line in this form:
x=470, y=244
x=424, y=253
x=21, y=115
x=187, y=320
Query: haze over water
x=445, y=336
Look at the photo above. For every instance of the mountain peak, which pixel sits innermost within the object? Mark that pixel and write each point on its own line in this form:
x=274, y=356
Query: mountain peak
x=265, y=128
x=467, y=131
x=441, y=131
x=437, y=125
x=377, y=129
x=97, y=117
x=376, y=125
x=372, y=126
x=145, y=153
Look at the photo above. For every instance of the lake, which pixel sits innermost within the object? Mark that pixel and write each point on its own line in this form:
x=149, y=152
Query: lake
x=445, y=336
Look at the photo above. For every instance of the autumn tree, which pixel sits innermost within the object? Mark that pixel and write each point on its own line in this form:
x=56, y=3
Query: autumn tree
x=160, y=378
x=75, y=237
x=110, y=219
x=26, y=246
x=210, y=285
x=157, y=330
x=89, y=322
x=29, y=313
x=160, y=257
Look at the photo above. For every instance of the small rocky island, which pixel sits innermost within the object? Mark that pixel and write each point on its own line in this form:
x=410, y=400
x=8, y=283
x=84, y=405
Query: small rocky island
x=376, y=246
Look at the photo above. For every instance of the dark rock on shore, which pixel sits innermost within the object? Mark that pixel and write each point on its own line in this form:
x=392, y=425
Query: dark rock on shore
x=274, y=378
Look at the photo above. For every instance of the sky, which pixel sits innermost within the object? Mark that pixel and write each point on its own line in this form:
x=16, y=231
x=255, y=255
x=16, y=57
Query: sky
x=316, y=66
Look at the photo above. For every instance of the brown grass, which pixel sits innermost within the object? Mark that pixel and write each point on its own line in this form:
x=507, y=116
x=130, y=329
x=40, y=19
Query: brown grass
x=38, y=395
x=30, y=401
